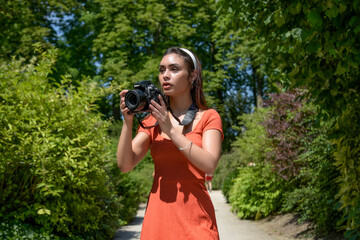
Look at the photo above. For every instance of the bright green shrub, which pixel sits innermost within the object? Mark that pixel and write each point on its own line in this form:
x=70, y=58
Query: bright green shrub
x=134, y=186
x=54, y=153
x=250, y=147
x=257, y=192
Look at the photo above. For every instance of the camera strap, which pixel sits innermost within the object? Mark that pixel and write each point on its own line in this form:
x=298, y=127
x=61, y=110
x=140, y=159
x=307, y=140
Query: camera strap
x=142, y=125
x=189, y=117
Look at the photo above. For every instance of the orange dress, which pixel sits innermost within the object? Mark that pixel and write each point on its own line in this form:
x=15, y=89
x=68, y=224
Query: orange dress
x=179, y=206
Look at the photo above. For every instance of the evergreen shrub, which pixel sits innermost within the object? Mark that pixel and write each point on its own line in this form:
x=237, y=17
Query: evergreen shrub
x=55, y=159
x=257, y=192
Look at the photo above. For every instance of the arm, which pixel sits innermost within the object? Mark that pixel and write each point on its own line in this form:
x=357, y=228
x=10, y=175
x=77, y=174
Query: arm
x=130, y=151
x=206, y=157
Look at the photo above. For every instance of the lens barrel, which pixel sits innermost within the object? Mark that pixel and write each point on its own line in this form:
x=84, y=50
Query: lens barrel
x=136, y=101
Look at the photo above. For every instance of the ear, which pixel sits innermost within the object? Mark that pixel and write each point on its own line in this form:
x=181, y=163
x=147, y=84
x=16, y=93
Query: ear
x=193, y=75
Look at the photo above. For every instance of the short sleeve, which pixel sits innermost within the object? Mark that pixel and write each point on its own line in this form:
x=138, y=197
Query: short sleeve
x=149, y=120
x=213, y=121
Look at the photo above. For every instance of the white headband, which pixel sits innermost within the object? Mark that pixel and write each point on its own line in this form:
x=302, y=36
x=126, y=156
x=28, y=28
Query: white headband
x=191, y=55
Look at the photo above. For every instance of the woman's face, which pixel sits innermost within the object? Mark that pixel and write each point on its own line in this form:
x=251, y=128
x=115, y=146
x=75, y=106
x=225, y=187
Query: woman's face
x=174, y=77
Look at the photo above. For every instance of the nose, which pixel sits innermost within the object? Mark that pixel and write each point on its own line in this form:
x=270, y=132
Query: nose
x=166, y=74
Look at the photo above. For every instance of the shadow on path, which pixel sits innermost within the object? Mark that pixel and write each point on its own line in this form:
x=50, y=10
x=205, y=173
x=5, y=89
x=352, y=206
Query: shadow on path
x=230, y=226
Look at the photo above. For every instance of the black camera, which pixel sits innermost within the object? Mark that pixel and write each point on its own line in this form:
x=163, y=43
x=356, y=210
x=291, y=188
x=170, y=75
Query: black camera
x=138, y=100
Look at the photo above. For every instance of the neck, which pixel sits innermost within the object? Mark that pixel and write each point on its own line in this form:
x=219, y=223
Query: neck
x=180, y=105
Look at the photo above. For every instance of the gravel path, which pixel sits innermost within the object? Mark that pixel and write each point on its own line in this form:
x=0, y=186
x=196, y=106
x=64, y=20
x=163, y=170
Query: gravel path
x=230, y=227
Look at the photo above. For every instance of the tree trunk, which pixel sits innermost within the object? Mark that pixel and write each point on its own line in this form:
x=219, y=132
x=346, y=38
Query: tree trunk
x=258, y=87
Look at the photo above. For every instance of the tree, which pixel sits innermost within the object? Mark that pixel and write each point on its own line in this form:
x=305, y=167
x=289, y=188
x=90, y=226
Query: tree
x=27, y=22
x=316, y=44
x=134, y=36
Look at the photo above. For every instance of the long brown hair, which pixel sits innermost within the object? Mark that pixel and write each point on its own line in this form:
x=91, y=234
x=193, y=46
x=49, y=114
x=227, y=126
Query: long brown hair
x=196, y=91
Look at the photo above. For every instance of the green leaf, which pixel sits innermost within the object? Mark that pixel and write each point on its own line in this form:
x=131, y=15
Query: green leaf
x=340, y=69
x=279, y=19
x=313, y=46
x=354, y=21
x=332, y=12
x=357, y=29
x=333, y=92
x=44, y=211
x=314, y=18
x=296, y=33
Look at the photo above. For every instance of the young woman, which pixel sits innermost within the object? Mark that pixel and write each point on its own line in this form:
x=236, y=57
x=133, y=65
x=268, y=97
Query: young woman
x=179, y=206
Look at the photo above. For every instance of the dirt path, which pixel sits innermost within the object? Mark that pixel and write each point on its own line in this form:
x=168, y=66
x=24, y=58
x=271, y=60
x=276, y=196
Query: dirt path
x=230, y=227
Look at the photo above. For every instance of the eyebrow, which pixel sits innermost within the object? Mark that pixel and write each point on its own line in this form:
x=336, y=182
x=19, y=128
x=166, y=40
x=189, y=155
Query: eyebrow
x=171, y=65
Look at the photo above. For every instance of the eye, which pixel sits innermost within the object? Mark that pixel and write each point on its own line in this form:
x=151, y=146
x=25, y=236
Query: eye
x=161, y=70
x=174, y=69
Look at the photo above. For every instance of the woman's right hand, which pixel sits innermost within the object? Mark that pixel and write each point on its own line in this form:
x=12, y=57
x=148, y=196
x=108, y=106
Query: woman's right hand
x=128, y=116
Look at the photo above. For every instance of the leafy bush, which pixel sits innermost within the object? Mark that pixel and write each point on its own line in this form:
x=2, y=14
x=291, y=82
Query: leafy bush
x=55, y=159
x=287, y=126
x=134, y=186
x=257, y=192
x=228, y=182
x=314, y=196
x=250, y=147
x=12, y=229
x=346, y=133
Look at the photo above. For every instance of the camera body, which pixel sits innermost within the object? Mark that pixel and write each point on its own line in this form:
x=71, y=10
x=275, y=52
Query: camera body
x=138, y=100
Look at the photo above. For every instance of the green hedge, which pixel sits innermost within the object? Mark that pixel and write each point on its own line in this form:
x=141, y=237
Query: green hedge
x=257, y=192
x=250, y=147
x=312, y=191
x=55, y=156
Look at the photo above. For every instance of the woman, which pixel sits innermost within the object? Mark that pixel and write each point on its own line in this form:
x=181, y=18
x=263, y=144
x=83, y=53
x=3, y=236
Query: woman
x=179, y=206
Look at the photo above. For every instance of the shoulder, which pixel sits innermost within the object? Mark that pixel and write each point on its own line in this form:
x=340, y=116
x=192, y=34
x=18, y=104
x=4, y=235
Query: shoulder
x=212, y=121
x=211, y=114
x=149, y=119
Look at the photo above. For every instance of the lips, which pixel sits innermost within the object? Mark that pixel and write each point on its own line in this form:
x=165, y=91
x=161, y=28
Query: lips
x=166, y=86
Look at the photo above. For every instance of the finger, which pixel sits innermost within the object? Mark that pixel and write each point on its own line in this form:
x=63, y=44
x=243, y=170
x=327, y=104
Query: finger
x=155, y=104
x=153, y=107
x=157, y=113
x=123, y=93
x=162, y=101
x=123, y=106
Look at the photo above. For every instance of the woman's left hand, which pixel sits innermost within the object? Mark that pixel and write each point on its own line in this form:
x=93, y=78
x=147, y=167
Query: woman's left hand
x=161, y=114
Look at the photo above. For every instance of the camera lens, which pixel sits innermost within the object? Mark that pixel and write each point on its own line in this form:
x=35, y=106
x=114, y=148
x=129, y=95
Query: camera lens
x=135, y=100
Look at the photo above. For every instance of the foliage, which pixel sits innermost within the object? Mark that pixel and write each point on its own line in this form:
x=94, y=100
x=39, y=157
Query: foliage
x=347, y=155
x=316, y=45
x=257, y=192
x=129, y=47
x=134, y=186
x=252, y=146
x=11, y=229
x=26, y=22
x=121, y=42
x=55, y=159
x=225, y=173
x=314, y=195
x=249, y=147
x=287, y=126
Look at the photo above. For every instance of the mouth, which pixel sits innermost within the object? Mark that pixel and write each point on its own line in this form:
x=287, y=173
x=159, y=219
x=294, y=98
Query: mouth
x=166, y=86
